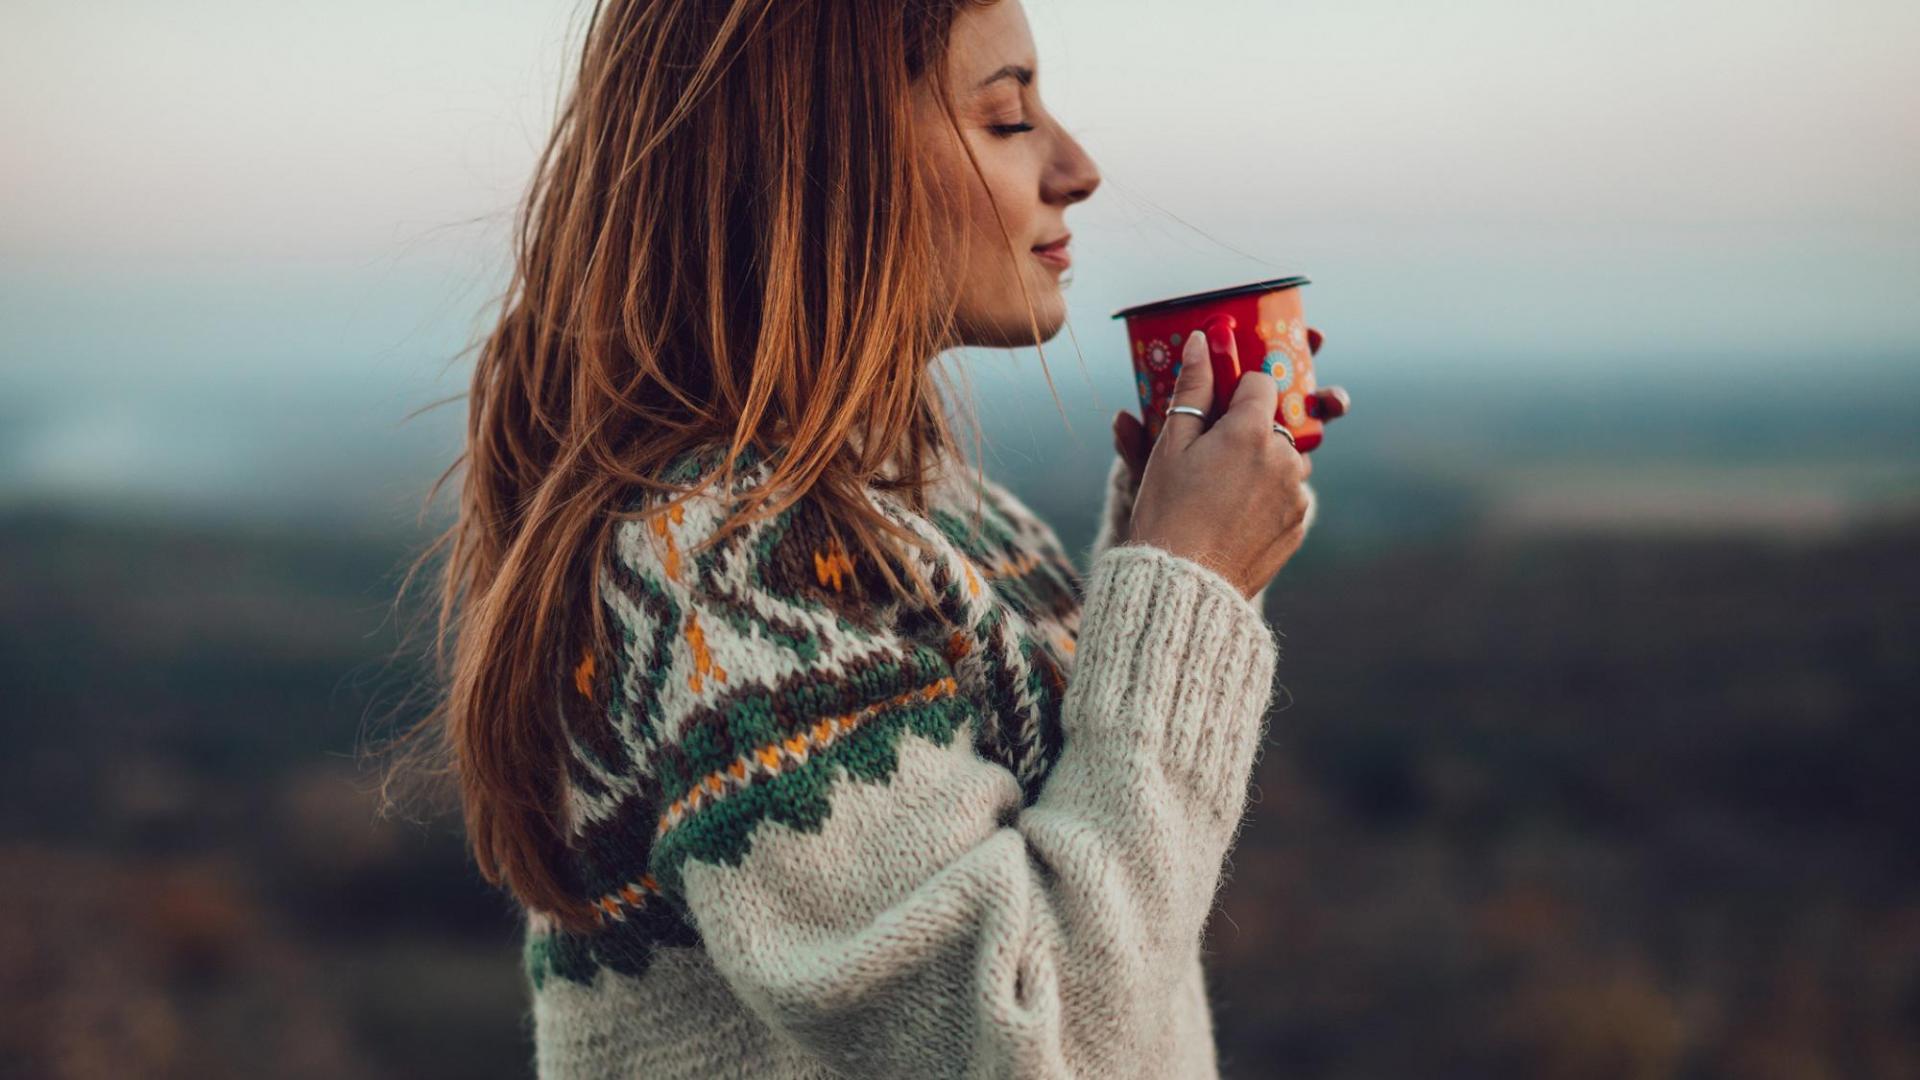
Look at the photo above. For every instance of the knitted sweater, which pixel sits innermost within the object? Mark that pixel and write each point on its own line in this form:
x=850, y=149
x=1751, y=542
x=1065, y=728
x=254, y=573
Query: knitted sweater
x=831, y=838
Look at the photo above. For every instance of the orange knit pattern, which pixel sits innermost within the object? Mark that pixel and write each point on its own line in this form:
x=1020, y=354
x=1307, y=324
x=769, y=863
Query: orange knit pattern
x=633, y=895
x=833, y=566
x=777, y=757
x=703, y=664
x=672, y=560
x=958, y=646
x=1015, y=567
x=583, y=676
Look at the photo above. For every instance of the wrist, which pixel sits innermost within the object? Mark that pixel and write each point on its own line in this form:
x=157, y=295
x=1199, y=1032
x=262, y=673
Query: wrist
x=1120, y=480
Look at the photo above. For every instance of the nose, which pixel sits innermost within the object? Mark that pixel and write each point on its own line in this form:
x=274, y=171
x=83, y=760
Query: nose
x=1073, y=176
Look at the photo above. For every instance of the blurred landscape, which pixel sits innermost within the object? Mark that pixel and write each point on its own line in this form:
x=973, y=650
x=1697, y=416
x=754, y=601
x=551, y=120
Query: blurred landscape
x=1596, y=733
x=1592, y=758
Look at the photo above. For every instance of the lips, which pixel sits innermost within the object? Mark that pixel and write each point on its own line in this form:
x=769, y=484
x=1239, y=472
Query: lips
x=1055, y=252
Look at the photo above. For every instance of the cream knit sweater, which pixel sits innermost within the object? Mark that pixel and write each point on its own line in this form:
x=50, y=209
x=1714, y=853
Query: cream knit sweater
x=832, y=838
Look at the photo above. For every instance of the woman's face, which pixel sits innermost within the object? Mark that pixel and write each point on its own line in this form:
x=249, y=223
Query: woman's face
x=1032, y=167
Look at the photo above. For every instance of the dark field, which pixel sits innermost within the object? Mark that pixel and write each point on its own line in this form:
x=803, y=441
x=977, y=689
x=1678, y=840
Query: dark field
x=1596, y=806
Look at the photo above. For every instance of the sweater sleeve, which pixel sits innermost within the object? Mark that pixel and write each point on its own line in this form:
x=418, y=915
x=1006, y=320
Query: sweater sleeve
x=871, y=886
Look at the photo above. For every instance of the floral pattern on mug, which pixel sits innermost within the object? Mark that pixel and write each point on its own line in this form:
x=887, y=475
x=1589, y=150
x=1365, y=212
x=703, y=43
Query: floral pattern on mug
x=1158, y=355
x=1293, y=408
x=1275, y=364
x=1298, y=335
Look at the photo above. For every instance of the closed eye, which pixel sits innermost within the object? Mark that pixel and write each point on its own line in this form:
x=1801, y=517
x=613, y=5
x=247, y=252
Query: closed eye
x=1005, y=130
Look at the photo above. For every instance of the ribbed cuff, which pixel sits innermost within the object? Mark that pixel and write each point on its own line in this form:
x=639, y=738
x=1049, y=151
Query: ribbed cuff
x=1175, y=663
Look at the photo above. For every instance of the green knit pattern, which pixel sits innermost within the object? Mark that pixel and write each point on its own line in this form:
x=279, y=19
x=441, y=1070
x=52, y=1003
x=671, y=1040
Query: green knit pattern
x=747, y=683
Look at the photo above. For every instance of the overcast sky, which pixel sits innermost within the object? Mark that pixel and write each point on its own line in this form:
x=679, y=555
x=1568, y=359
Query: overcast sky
x=1497, y=176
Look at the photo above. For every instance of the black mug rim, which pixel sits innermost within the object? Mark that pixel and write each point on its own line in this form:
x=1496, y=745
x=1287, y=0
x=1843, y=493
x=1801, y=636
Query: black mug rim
x=1271, y=285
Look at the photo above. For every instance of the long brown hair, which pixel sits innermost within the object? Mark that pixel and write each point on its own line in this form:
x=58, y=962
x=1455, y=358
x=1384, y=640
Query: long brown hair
x=730, y=239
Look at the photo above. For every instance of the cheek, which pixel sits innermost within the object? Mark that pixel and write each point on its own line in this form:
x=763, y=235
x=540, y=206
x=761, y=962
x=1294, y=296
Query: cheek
x=967, y=210
x=1014, y=195
x=991, y=233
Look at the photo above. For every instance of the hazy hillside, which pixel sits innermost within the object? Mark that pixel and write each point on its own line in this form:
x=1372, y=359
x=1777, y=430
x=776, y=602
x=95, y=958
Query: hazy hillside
x=1532, y=808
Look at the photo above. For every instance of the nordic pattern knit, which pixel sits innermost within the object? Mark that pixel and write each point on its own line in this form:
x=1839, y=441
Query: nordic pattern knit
x=833, y=838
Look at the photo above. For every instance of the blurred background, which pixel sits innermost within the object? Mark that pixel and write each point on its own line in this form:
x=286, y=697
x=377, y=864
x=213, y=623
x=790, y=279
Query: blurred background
x=1599, y=681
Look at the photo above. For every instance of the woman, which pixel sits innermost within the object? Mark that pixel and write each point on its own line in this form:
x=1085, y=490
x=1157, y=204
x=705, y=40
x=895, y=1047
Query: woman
x=806, y=752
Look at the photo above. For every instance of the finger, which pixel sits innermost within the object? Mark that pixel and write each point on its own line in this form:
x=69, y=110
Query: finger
x=1314, y=340
x=1221, y=339
x=1130, y=439
x=1255, y=401
x=1194, y=387
x=1333, y=402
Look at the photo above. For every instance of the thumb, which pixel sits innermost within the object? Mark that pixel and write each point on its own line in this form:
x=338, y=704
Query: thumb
x=1194, y=387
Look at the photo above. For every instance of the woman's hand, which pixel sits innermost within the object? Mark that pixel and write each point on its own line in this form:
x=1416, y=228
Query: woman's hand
x=1225, y=492
x=1130, y=435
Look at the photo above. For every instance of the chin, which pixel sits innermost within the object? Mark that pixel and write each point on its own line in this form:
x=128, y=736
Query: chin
x=1011, y=330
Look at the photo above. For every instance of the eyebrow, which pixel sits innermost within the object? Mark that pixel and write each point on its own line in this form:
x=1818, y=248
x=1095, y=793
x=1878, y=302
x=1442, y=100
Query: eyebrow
x=1013, y=71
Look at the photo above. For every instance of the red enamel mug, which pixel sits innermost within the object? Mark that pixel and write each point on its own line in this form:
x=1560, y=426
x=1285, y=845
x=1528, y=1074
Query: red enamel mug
x=1264, y=321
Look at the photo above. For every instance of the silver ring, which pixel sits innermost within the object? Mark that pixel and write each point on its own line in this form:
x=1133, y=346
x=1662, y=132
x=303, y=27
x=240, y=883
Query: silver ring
x=1190, y=410
x=1280, y=429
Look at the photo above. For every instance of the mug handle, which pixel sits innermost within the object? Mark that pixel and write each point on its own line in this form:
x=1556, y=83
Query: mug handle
x=1226, y=370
